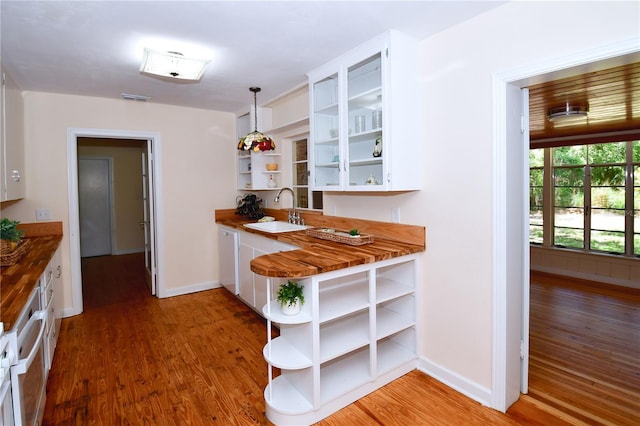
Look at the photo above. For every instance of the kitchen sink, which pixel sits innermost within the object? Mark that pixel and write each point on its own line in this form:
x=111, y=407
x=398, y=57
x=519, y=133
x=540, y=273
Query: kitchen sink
x=275, y=227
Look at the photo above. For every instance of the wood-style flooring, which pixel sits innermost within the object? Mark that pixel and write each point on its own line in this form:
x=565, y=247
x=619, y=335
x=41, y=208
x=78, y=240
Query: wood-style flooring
x=132, y=359
x=585, y=349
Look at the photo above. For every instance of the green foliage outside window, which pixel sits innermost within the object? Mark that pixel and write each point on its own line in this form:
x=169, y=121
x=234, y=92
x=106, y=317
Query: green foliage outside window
x=600, y=169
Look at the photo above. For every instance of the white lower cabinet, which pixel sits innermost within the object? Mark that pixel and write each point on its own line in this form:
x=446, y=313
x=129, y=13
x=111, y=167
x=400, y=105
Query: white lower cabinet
x=48, y=282
x=253, y=287
x=355, y=333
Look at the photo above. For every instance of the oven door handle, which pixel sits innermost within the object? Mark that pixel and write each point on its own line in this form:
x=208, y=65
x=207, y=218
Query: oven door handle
x=23, y=365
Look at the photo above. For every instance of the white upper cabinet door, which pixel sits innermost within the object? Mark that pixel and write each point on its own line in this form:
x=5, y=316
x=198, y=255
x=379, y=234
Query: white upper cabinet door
x=12, y=146
x=365, y=118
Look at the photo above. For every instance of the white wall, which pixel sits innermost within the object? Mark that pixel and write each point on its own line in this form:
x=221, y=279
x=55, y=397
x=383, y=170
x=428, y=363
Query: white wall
x=127, y=193
x=198, y=153
x=457, y=66
x=605, y=268
x=455, y=205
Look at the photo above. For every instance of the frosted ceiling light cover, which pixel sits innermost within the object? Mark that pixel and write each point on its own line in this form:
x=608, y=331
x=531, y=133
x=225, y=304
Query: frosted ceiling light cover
x=172, y=65
x=567, y=113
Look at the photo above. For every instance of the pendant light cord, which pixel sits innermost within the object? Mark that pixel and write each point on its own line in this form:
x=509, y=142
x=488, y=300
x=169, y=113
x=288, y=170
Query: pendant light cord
x=255, y=106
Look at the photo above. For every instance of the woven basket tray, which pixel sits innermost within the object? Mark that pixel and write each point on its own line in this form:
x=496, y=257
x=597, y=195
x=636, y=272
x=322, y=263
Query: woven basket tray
x=13, y=257
x=340, y=236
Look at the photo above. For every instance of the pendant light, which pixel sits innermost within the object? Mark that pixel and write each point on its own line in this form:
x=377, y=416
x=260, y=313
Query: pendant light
x=256, y=140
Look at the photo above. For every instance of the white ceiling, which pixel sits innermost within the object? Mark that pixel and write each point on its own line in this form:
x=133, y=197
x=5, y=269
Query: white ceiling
x=94, y=48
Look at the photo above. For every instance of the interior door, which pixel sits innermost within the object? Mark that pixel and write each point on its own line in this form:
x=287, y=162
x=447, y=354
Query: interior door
x=148, y=222
x=94, y=194
x=517, y=228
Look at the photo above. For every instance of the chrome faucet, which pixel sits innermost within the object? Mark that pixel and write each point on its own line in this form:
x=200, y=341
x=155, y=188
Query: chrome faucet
x=293, y=216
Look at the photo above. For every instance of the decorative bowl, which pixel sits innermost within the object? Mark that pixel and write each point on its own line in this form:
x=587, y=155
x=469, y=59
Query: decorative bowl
x=272, y=166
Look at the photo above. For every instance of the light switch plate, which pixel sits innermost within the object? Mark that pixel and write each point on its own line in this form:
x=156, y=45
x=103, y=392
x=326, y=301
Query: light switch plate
x=395, y=215
x=43, y=214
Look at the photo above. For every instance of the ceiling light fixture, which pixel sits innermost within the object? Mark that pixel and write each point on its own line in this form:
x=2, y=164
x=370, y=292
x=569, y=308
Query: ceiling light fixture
x=256, y=140
x=172, y=65
x=567, y=113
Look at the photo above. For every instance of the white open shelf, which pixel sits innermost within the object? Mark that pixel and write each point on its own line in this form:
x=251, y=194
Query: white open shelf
x=393, y=353
x=358, y=334
x=285, y=398
x=280, y=353
x=390, y=322
x=341, y=337
x=273, y=312
x=343, y=375
x=342, y=300
x=388, y=289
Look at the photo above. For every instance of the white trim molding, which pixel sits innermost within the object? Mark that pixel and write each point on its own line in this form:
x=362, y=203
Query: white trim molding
x=74, y=221
x=192, y=288
x=524, y=76
x=455, y=381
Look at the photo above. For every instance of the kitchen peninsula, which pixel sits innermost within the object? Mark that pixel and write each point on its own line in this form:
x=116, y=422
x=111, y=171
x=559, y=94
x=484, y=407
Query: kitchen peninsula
x=317, y=256
x=356, y=331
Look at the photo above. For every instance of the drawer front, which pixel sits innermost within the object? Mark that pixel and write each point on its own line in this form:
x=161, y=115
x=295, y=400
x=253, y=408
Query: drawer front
x=50, y=341
x=46, y=292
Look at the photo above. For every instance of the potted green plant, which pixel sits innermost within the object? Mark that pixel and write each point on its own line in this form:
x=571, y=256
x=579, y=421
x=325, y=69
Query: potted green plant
x=9, y=234
x=290, y=297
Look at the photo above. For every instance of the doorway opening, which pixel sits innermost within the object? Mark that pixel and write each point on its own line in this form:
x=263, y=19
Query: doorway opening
x=511, y=208
x=112, y=210
x=114, y=201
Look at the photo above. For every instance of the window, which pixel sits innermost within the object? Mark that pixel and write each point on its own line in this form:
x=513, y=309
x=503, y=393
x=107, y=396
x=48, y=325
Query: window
x=568, y=190
x=536, y=195
x=305, y=198
x=595, y=194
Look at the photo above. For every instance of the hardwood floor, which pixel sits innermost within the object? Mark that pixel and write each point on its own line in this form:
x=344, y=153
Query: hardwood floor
x=585, y=349
x=131, y=359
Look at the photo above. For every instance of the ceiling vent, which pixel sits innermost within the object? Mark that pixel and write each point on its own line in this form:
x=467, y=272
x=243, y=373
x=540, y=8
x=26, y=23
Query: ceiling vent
x=132, y=97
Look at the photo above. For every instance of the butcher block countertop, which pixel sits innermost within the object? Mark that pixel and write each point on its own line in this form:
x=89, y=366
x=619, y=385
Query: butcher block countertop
x=19, y=280
x=317, y=256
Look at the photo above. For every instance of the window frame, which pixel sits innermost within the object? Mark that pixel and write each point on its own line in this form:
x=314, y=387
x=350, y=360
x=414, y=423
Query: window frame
x=631, y=183
x=298, y=188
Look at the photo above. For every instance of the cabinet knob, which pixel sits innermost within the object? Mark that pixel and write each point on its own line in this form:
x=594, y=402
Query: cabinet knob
x=15, y=175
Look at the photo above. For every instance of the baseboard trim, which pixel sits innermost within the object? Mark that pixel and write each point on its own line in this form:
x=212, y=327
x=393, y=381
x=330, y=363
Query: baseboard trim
x=585, y=276
x=127, y=251
x=461, y=384
x=193, y=288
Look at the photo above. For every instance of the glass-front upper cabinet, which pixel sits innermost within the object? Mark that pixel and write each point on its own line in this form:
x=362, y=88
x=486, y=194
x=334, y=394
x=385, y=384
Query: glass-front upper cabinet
x=364, y=87
x=365, y=121
x=326, y=131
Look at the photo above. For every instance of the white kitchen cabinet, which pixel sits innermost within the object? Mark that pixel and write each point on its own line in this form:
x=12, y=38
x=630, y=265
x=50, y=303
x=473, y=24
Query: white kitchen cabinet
x=252, y=170
x=253, y=287
x=228, y=257
x=355, y=333
x=51, y=279
x=364, y=118
x=12, y=140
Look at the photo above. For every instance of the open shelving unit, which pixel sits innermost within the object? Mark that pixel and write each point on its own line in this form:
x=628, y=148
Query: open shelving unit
x=355, y=333
x=253, y=173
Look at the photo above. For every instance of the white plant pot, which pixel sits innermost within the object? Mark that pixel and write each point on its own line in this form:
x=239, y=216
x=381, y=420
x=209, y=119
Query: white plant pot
x=291, y=309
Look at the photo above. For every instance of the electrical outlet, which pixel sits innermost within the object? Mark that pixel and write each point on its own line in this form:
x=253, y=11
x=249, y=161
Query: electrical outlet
x=43, y=214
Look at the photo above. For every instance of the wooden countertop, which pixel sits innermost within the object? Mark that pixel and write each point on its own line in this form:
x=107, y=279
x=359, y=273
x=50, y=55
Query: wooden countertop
x=317, y=256
x=18, y=281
